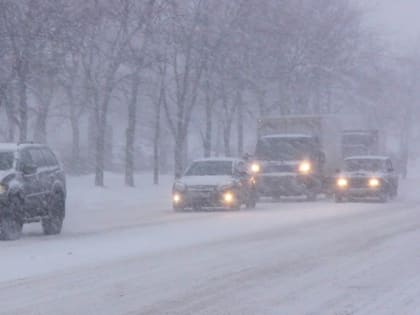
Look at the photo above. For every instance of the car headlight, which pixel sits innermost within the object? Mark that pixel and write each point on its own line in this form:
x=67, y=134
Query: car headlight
x=342, y=182
x=255, y=168
x=178, y=186
x=3, y=189
x=374, y=182
x=305, y=167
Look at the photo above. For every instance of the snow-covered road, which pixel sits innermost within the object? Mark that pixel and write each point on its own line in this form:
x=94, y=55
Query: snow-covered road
x=138, y=257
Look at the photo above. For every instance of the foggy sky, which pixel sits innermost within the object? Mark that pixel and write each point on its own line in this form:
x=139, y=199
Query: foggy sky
x=397, y=20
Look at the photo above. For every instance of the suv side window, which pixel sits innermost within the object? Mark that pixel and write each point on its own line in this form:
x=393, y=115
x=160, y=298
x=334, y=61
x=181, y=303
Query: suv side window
x=25, y=159
x=37, y=157
x=49, y=157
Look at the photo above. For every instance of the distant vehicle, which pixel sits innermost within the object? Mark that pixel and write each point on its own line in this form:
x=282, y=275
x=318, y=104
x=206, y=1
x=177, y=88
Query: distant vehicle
x=215, y=182
x=296, y=155
x=32, y=189
x=361, y=142
x=366, y=177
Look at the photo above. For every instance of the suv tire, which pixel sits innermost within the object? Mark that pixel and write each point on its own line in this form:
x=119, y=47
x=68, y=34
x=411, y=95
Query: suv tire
x=10, y=223
x=54, y=222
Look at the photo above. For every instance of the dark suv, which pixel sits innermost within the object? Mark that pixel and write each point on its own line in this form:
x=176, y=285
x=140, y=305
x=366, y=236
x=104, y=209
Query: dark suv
x=32, y=189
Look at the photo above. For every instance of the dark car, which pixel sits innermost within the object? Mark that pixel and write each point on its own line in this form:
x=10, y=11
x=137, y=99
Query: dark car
x=221, y=183
x=32, y=189
x=367, y=177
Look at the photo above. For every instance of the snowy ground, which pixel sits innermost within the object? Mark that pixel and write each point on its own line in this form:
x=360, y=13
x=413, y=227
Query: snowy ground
x=123, y=251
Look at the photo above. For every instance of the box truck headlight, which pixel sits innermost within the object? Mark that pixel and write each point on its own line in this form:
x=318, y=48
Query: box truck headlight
x=374, y=182
x=305, y=167
x=255, y=168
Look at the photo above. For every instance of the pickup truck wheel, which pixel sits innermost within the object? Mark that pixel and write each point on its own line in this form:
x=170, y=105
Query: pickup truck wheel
x=54, y=222
x=338, y=198
x=10, y=223
x=311, y=196
x=178, y=208
x=384, y=197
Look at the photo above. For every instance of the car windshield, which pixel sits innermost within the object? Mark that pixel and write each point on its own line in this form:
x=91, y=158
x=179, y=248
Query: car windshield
x=364, y=165
x=6, y=160
x=203, y=168
x=285, y=149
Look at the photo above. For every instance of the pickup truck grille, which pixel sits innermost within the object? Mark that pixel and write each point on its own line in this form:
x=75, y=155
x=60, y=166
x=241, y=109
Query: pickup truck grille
x=279, y=169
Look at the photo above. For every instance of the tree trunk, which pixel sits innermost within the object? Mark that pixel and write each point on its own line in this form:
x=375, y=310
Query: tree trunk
x=40, y=135
x=130, y=133
x=101, y=112
x=156, y=141
x=226, y=138
x=11, y=119
x=178, y=155
x=100, y=152
x=261, y=103
x=240, y=124
x=209, y=129
x=75, y=149
x=405, y=140
x=23, y=109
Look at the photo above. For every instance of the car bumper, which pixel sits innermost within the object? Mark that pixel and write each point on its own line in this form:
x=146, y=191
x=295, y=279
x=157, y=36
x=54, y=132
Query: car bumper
x=201, y=199
x=360, y=192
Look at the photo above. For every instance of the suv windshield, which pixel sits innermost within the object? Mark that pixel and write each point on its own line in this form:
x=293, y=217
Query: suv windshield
x=364, y=165
x=210, y=168
x=6, y=160
x=285, y=149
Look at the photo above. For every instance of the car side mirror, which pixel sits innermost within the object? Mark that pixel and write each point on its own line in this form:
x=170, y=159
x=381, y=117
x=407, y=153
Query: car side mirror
x=390, y=170
x=29, y=169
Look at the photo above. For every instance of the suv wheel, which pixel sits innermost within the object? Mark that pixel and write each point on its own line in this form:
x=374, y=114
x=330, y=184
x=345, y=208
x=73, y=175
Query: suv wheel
x=338, y=198
x=311, y=195
x=54, y=222
x=10, y=224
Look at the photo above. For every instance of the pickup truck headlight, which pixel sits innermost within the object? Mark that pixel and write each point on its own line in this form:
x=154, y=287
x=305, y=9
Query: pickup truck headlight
x=305, y=167
x=228, y=197
x=176, y=198
x=342, y=182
